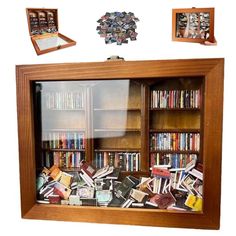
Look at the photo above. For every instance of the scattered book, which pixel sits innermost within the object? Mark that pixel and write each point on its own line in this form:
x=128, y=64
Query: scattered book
x=168, y=188
x=88, y=169
x=115, y=174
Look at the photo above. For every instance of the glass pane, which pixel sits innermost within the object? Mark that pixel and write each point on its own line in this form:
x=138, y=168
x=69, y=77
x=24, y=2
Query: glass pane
x=193, y=25
x=51, y=42
x=91, y=150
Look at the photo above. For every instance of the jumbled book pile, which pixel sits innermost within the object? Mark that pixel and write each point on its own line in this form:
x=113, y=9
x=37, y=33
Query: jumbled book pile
x=117, y=27
x=167, y=188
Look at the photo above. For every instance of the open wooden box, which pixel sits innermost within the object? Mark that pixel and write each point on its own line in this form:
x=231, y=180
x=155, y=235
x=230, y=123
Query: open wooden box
x=43, y=30
x=194, y=25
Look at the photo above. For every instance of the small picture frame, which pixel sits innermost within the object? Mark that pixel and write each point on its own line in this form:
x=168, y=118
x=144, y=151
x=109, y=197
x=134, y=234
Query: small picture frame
x=194, y=25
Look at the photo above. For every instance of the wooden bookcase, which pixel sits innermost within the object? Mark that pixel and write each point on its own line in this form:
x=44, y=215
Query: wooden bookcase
x=118, y=113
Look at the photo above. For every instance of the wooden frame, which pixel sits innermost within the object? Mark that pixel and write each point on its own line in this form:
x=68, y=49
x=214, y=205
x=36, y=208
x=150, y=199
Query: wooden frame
x=182, y=38
x=35, y=32
x=212, y=70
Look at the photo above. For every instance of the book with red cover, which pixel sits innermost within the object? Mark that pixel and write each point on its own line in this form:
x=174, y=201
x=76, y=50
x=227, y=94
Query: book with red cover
x=160, y=172
x=88, y=169
x=62, y=191
x=163, y=200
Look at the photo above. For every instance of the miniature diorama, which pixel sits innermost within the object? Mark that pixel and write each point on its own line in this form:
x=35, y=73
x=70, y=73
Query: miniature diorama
x=193, y=25
x=116, y=140
x=43, y=29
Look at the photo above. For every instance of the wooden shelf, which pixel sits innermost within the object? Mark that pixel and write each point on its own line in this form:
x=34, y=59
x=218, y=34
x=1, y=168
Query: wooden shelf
x=116, y=150
x=62, y=150
x=65, y=130
x=116, y=130
x=62, y=110
x=66, y=169
x=117, y=109
x=173, y=152
x=174, y=131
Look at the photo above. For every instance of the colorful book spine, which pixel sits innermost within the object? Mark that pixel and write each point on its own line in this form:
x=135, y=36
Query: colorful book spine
x=175, y=99
x=175, y=160
x=63, y=159
x=64, y=140
x=175, y=141
x=126, y=161
x=72, y=100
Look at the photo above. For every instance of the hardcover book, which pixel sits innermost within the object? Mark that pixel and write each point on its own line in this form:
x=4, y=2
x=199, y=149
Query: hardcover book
x=62, y=190
x=55, y=173
x=88, y=169
x=125, y=187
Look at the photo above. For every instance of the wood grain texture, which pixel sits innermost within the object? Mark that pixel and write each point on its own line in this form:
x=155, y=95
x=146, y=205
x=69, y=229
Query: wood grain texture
x=211, y=126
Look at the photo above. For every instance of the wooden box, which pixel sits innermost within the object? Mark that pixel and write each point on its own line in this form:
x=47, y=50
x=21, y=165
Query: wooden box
x=44, y=30
x=194, y=25
x=119, y=113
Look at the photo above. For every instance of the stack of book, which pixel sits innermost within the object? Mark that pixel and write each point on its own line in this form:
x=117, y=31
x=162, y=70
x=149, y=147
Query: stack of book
x=126, y=161
x=175, y=141
x=175, y=99
x=166, y=188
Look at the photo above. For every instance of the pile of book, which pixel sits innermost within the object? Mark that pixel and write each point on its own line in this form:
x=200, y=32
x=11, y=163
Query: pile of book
x=166, y=188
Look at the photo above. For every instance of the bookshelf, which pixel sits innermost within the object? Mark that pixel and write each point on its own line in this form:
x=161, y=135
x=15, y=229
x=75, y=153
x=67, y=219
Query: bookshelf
x=117, y=124
x=62, y=124
x=111, y=113
x=175, y=121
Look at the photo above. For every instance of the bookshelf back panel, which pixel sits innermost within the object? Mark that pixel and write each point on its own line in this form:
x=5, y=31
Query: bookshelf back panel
x=117, y=140
x=175, y=120
x=182, y=83
x=71, y=120
x=117, y=94
x=117, y=119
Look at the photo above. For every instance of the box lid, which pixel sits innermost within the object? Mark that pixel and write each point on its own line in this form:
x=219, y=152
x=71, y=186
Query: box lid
x=42, y=20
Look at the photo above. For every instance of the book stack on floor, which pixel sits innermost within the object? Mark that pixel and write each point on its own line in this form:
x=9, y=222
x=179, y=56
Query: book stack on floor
x=167, y=188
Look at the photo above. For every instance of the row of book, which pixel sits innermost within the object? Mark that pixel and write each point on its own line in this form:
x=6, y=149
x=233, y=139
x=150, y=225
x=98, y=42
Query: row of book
x=126, y=161
x=175, y=99
x=64, y=100
x=175, y=160
x=63, y=159
x=64, y=140
x=175, y=141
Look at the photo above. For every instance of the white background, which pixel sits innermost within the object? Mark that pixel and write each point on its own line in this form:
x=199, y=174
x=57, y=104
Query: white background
x=77, y=20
